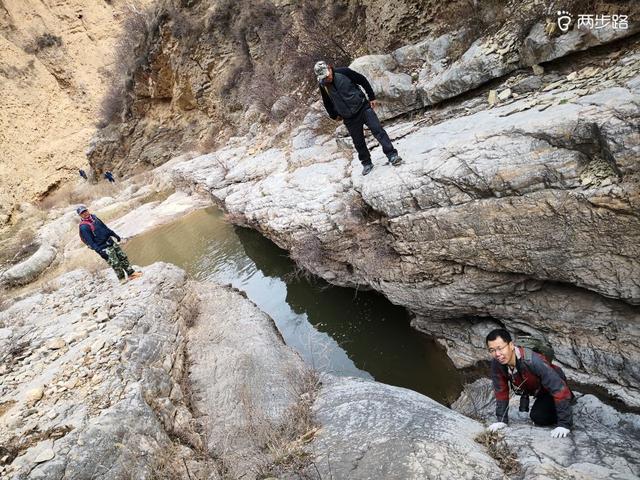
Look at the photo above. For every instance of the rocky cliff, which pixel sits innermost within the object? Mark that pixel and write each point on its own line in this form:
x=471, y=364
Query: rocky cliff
x=517, y=206
x=166, y=378
x=54, y=71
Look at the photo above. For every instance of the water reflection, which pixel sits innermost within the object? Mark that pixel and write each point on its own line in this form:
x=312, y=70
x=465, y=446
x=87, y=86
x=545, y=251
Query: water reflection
x=335, y=329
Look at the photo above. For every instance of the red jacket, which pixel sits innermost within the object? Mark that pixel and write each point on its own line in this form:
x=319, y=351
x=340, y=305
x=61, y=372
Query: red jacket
x=533, y=375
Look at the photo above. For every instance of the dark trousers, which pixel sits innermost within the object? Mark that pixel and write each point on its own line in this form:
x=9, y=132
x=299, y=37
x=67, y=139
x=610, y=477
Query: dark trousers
x=543, y=412
x=355, y=127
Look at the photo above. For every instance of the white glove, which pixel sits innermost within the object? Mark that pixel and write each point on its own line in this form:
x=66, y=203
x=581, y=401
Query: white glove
x=560, y=432
x=494, y=427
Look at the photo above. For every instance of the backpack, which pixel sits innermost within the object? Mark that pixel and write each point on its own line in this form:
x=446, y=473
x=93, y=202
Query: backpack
x=538, y=344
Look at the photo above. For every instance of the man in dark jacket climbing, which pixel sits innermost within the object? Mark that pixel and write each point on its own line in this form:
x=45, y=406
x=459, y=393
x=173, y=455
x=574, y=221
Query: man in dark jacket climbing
x=528, y=373
x=98, y=237
x=344, y=100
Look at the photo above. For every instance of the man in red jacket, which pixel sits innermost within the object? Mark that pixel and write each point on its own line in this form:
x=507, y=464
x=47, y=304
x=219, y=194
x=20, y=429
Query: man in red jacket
x=528, y=373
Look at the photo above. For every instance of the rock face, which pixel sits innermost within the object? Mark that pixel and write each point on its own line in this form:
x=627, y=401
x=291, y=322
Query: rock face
x=371, y=430
x=168, y=378
x=242, y=372
x=524, y=215
x=200, y=80
x=51, y=86
x=603, y=442
x=110, y=398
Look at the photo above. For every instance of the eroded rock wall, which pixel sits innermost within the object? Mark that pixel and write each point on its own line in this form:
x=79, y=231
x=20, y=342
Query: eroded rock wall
x=521, y=213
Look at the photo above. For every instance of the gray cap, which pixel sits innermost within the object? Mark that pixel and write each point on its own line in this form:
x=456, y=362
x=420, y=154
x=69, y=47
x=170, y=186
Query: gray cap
x=81, y=208
x=321, y=69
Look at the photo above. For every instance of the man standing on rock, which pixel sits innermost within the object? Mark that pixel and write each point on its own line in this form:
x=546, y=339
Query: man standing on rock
x=344, y=100
x=98, y=237
x=528, y=373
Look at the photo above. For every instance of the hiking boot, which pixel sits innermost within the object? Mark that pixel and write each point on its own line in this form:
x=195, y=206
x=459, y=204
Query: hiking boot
x=395, y=159
x=367, y=168
x=135, y=275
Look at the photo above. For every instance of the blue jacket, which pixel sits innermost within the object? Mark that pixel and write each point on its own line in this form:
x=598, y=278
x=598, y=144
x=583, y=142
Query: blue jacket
x=99, y=237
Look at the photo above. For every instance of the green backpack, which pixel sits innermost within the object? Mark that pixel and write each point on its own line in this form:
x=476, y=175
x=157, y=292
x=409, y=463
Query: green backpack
x=539, y=345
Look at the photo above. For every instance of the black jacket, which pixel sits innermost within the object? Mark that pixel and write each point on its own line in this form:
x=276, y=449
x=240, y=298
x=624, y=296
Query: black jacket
x=343, y=97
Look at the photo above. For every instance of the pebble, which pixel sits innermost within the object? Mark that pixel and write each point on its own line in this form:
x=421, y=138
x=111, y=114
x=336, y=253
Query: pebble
x=493, y=97
x=505, y=94
x=44, y=456
x=97, y=345
x=35, y=395
x=56, y=343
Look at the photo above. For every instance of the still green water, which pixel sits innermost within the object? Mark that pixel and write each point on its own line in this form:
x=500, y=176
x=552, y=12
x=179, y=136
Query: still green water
x=337, y=330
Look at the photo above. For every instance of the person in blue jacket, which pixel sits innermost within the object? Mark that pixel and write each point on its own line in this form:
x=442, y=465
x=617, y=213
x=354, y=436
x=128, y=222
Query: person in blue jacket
x=344, y=100
x=100, y=238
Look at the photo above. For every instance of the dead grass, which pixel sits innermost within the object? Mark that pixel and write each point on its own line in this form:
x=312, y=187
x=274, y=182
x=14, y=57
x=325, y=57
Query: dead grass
x=88, y=260
x=16, y=248
x=190, y=309
x=74, y=193
x=284, y=442
x=49, y=286
x=498, y=449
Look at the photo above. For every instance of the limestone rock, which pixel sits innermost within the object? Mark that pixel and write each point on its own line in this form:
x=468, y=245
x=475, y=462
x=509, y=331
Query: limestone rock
x=505, y=94
x=45, y=455
x=371, y=430
x=56, y=343
x=538, y=70
x=34, y=395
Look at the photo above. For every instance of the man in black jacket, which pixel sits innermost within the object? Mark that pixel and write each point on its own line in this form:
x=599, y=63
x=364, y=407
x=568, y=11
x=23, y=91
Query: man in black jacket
x=344, y=100
x=100, y=238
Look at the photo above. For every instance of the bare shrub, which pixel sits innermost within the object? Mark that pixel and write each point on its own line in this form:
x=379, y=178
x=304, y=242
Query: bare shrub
x=190, y=309
x=76, y=193
x=307, y=248
x=17, y=247
x=498, y=449
x=132, y=54
x=272, y=48
x=5, y=301
x=285, y=441
x=49, y=286
x=46, y=40
x=87, y=260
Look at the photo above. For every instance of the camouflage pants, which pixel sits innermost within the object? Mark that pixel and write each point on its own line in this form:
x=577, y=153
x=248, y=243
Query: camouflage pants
x=118, y=261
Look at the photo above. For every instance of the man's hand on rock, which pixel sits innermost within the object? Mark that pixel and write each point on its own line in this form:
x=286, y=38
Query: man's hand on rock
x=560, y=432
x=374, y=104
x=494, y=427
x=338, y=118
